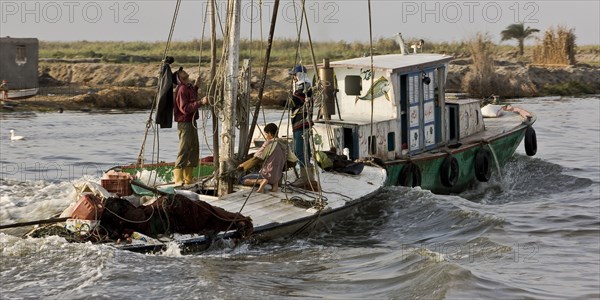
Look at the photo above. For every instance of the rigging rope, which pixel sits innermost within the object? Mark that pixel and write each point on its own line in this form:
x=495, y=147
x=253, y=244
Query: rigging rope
x=318, y=89
x=173, y=22
x=372, y=144
x=263, y=77
x=217, y=80
x=204, y=114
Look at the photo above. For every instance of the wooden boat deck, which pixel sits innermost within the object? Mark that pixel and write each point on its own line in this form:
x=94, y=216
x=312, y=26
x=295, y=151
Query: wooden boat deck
x=273, y=216
x=338, y=190
x=494, y=127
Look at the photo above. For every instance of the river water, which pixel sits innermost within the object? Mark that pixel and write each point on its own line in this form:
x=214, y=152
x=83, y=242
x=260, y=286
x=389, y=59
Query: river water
x=531, y=232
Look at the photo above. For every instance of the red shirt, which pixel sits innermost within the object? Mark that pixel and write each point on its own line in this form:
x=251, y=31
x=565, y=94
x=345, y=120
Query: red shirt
x=186, y=106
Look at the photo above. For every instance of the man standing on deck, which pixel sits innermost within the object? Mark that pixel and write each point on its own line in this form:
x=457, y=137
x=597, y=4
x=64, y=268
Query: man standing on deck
x=185, y=111
x=301, y=107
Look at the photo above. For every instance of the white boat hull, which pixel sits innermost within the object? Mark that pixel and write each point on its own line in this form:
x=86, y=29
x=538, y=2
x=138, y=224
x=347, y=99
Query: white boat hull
x=19, y=94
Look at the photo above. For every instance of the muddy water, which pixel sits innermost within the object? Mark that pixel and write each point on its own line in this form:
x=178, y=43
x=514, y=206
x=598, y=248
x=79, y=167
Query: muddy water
x=534, y=232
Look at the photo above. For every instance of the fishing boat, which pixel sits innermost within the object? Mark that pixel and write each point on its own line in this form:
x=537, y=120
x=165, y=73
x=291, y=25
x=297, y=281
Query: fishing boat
x=138, y=208
x=9, y=99
x=241, y=215
x=388, y=113
x=18, y=94
x=422, y=136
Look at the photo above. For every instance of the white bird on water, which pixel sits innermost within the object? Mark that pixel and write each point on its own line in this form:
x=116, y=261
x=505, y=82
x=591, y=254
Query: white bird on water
x=14, y=137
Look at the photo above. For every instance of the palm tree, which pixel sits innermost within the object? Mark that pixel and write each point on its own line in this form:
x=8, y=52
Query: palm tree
x=519, y=32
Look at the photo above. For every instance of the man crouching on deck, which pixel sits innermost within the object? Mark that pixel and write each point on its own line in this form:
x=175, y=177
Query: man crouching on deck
x=274, y=154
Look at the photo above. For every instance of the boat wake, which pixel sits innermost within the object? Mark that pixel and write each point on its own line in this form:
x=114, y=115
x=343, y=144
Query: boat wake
x=402, y=243
x=32, y=200
x=525, y=178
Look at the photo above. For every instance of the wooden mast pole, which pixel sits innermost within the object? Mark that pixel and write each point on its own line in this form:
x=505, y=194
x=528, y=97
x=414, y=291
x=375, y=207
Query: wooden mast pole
x=243, y=108
x=226, y=159
x=213, y=85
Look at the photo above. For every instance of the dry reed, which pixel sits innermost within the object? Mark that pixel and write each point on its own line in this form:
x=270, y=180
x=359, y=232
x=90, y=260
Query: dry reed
x=482, y=79
x=557, y=48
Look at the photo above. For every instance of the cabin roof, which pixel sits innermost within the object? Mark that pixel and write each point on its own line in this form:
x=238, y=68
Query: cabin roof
x=396, y=63
x=9, y=39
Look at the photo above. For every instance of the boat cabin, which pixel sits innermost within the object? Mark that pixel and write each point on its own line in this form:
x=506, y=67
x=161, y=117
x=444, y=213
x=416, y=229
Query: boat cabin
x=410, y=113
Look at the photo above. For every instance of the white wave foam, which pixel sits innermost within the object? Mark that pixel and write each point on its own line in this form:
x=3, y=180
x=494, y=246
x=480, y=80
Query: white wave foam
x=172, y=250
x=34, y=200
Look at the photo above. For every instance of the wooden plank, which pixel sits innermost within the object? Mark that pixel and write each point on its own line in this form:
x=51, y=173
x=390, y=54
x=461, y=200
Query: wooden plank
x=267, y=208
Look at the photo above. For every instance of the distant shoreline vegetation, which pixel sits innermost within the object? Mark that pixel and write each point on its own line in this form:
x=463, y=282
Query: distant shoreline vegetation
x=555, y=66
x=282, y=55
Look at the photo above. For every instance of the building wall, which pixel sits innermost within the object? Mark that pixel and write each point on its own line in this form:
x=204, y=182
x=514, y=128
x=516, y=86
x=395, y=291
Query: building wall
x=19, y=62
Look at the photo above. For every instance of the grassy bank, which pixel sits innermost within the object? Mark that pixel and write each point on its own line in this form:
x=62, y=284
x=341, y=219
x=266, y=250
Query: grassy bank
x=284, y=50
x=480, y=68
x=282, y=55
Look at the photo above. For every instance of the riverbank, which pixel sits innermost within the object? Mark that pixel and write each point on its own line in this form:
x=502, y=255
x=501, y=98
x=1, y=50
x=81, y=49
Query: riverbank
x=84, y=84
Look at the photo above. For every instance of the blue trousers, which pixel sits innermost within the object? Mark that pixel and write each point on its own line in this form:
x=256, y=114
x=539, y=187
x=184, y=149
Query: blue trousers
x=301, y=146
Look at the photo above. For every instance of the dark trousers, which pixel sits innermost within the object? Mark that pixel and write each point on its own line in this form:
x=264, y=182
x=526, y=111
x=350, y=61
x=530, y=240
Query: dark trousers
x=302, y=146
x=189, y=146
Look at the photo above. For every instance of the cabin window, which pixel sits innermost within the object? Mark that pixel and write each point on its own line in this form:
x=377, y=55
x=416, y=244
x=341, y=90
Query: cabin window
x=21, y=56
x=353, y=85
x=391, y=141
x=372, y=145
x=453, y=122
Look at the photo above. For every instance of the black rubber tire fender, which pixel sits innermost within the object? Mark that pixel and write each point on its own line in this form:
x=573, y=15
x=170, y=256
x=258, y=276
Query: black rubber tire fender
x=530, y=141
x=410, y=175
x=483, y=165
x=449, y=171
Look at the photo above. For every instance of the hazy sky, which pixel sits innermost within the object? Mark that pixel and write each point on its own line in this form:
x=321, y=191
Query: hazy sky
x=328, y=20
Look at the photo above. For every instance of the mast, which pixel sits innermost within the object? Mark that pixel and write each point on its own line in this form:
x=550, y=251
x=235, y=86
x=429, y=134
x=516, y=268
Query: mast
x=243, y=108
x=226, y=159
x=213, y=84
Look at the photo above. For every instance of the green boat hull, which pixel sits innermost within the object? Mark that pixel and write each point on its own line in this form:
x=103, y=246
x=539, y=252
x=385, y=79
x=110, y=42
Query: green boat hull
x=165, y=170
x=502, y=148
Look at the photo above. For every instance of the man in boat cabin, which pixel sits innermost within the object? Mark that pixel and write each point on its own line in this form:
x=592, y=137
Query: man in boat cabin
x=301, y=107
x=186, y=113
